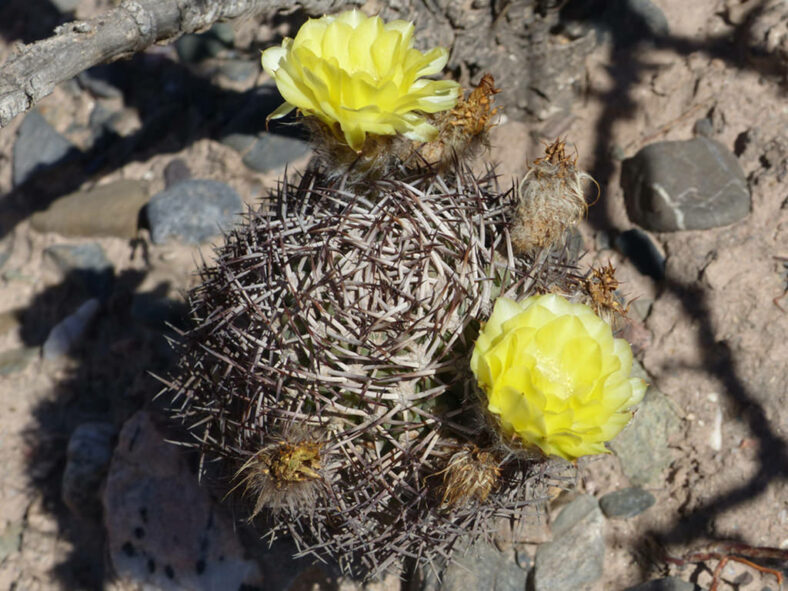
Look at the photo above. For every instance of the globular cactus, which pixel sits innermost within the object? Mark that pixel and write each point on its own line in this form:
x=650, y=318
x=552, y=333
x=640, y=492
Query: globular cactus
x=330, y=368
x=329, y=362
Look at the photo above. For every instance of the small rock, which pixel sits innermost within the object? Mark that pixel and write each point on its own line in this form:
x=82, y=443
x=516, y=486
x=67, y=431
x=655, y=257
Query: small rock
x=687, y=185
x=274, y=151
x=11, y=540
x=99, y=118
x=87, y=459
x=97, y=81
x=65, y=5
x=9, y=320
x=639, y=248
x=6, y=247
x=642, y=447
x=239, y=70
x=703, y=127
x=193, y=211
x=87, y=262
x=194, y=48
x=576, y=555
x=163, y=529
x=107, y=210
x=16, y=360
x=240, y=142
x=38, y=146
x=175, y=172
x=626, y=503
x=666, y=584
x=482, y=567
x=69, y=331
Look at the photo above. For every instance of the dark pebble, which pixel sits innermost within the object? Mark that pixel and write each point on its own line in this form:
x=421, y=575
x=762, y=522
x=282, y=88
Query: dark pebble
x=38, y=146
x=687, y=185
x=193, y=211
x=175, y=172
x=274, y=151
x=666, y=584
x=85, y=262
x=626, y=503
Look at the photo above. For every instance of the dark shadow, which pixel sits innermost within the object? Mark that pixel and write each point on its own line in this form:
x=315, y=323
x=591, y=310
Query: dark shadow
x=626, y=31
x=105, y=380
x=176, y=107
x=29, y=20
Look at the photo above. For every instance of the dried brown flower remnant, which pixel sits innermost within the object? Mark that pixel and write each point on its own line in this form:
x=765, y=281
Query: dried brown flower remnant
x=282, y=475
x=474, y=114
x=464, y=129
x=550, y=200
x=470, y=476
x=601, y=285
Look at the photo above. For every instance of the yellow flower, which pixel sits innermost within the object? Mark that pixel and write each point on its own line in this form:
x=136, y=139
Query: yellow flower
x=555, y=376
x=362, y=74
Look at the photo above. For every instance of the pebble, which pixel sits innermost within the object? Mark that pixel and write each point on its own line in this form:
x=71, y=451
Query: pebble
x=69, y=331
x=88, y=455
x=482, y=567
x=16, y=360
x=97, y=80
x=272, y=151
x=638, y=247
x=11, y=539
x=626, y=503
x=163, y=529
x=6, y=247
x=112, y=209
x=193, y=211
x=194, y=48
x=575, y=557
x=85, y=262
x=239, y=70
x=642, y=447
x=176, y=171
x=685, y=185
x=37, y=147
x=666, y=584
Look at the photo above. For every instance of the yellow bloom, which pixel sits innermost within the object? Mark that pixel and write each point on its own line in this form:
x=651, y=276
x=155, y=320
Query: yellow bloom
x=362, y=74
x=555, y=376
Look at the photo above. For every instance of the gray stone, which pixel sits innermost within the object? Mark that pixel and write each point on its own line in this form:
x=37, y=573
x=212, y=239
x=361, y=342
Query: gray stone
x=87, y=262
x=482, y=567
x=666, y=584
x=647, y=15
x=11, y=540
x=38, y=146
x=107, y=210
x=65, y=5
x=163, y=529
x=240, y=142
x=87, y=459
x=176, y=171
x=16, y=360
x=93, y=81
x=686, y=185
x=642, y=447
x=6, y=247
x=703, y=127
x=626, y=503
x=69, y=331
x=273, y=151
x=193, y=211
x=239, y=70
x=575, y=557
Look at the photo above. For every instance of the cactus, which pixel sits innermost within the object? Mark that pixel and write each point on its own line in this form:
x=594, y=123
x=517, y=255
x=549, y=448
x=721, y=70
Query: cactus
x=329, y=366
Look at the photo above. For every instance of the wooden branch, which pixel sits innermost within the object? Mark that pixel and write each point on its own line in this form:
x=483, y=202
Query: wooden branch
x=33, y=71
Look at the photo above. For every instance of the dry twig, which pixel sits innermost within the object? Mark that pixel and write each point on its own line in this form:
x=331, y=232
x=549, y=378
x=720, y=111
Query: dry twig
x=33, y=71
